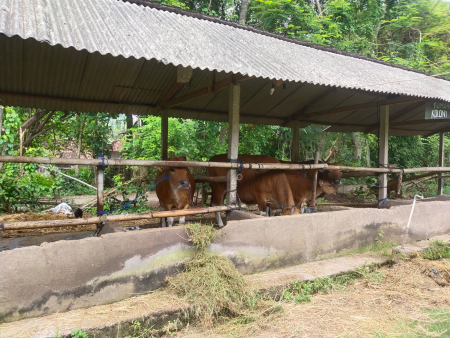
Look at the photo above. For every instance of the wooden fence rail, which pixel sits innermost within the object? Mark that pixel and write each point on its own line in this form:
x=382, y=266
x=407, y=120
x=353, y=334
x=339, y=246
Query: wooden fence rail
x=115, y=218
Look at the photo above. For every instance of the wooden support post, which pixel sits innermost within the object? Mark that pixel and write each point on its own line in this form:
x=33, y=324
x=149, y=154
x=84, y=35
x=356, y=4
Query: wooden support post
x=441, y=163
x=233, y=140
x=164, y=134
x=100, y=191
x=383, y=153
x=314, y=184
x=295, y=141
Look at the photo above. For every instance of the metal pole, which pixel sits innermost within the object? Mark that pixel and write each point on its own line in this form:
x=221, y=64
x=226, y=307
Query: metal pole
x=233, y=140
x=409, y=220
x=441, y=164
x=100, y=191
x=314, y=184
x=383, y=154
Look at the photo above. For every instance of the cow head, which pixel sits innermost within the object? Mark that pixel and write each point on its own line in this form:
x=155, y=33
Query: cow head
x=177, y=177
x=327, y=187
x=334, y=176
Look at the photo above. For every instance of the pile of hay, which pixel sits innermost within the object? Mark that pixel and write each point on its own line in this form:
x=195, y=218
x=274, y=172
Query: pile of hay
x=30, y=216
x=211, y=283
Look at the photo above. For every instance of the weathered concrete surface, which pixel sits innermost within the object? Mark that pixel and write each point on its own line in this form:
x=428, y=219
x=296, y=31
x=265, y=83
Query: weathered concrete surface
x=65, y=275
x=156, y=309
x=416, y=247
x=266, y=243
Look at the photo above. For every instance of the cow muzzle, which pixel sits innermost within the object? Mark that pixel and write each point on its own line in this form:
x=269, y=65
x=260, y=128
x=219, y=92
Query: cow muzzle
x=184, y=184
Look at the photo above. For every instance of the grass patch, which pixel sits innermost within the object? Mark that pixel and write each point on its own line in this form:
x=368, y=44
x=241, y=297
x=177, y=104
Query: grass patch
x=301, y=292
x=437, y=250
x=210, y=282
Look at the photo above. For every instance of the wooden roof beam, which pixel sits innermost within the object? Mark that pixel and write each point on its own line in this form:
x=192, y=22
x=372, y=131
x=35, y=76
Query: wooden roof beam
x=372, y=104
x=184, y=75
x=414, y=122
x=205, y=90
x=309, y=105
x=444, y=129
x=396, y=116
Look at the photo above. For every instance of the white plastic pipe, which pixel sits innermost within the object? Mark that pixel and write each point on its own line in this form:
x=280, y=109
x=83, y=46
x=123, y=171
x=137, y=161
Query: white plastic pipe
x=409, y=220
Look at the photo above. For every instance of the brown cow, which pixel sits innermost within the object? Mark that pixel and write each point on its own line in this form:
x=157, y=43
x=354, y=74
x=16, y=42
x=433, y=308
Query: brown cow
x=334, y=176
x=175, y=189
x=267, y=188
x=302, y=188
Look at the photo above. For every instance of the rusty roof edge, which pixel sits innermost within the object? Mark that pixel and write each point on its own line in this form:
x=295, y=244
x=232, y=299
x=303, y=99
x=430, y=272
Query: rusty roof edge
x=197, y=15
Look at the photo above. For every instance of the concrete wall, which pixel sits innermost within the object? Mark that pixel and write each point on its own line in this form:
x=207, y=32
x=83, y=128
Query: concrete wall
x=66, y=275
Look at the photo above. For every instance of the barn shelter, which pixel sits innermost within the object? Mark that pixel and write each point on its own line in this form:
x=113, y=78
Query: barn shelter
x=139, y=57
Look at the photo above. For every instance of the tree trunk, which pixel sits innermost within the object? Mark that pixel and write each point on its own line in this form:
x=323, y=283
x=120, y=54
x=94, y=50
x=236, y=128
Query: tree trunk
x=80, y=139
x=357, y=149
x=223, y=133
x=243, y=13
x=319, y=8
x=367, y=153
x=377, y=28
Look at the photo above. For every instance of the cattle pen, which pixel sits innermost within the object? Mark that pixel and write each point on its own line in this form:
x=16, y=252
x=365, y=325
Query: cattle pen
x=136, y=57
x=100, y=164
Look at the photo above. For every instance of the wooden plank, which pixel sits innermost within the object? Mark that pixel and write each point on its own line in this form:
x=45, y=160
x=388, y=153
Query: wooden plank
x=441, y=164
x=383, y=153
x=115, y=218
x=372, y=104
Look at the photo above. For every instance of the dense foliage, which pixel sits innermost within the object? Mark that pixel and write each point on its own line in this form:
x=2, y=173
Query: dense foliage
x=412, y=33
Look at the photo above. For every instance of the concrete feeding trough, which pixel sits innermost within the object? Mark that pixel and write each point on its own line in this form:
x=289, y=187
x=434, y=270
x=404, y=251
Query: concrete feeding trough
x=64, y=275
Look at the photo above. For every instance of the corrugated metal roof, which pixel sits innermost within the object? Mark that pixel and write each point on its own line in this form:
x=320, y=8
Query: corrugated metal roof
x=114, y=56
x=125, y=29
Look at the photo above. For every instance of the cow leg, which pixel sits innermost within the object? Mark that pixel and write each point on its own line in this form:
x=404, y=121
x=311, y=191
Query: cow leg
x=169, y=221
x=262, y=206
x=163, y=222
x=268, y=213
x=182, y=219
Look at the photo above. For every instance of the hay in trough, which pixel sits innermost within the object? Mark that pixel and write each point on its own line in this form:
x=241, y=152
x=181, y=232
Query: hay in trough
x=210, y=282
x=30, y=216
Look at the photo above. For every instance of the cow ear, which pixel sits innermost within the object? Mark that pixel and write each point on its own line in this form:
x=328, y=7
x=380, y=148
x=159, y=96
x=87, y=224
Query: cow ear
x=320, y=183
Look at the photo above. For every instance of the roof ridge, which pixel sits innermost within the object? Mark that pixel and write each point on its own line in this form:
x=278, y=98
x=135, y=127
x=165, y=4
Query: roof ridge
x=201, y=16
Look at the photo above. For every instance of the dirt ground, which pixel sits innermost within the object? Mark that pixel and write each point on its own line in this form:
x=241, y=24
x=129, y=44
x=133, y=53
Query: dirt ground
x=409, y=300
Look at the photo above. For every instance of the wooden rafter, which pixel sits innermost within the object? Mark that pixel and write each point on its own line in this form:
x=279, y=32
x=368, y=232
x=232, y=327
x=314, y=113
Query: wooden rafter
x=66, y=99
x=205, y=90
x=310, y=104
x=396, y=116
x=414, y=122
x=372, y=104
x=444, y=128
